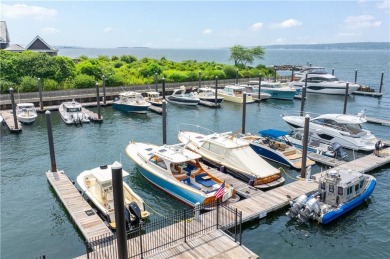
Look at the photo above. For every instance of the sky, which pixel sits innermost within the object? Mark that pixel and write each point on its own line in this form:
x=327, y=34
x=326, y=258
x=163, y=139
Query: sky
x=195, y=24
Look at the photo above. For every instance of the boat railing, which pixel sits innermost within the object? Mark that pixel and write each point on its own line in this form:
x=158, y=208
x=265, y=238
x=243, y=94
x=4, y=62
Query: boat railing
x=298, y=113
x=194, y=128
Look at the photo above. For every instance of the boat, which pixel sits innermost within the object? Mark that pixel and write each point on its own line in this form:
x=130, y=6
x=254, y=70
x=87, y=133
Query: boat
x=207, y=94
x=338, y=193
x=131, y=102
x=315, y=144
x=251, y=91
x=180, y=97
x=323, y=84
x=268, y=146
x=276, y=90
x=154, y=98
x=309, y=70
x=341, y=128
x=177, y=171
x=234, y=93
x=72, y=113
x=97, y=185
x=235, y=155
x=26, y=113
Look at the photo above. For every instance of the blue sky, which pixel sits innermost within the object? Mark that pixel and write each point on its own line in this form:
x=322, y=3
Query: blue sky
x=195, y=24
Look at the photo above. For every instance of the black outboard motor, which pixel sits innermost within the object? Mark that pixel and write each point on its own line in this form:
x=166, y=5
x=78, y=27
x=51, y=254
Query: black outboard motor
x=338, y=150
x=135, y=211
x=297, y=206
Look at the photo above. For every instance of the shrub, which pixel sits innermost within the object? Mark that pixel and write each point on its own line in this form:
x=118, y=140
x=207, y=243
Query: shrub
x=84, y=81
x=5, y=86
x=118, y=64
x=50, y=85
x=230, y=71
x=175, y=76
x=128, y=59
x=29, y=84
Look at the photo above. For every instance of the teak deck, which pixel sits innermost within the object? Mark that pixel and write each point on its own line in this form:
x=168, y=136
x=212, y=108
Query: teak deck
x=9, y=121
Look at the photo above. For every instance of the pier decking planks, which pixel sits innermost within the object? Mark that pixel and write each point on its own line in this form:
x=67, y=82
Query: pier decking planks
x=90, y=226
x=378, y=121
x=9, y=121
x=325, y=160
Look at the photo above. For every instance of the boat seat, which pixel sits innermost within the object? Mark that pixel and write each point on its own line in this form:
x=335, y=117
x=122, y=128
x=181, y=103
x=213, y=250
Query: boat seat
x=294, y=156
x=188, y=182
x=181, y=177
x=289, y=152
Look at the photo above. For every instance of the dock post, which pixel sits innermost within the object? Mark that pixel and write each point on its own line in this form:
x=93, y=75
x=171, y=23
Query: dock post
x=237, y=76
x=117, y=185
x=197, y=211
x=163, y=88
x=304, y=145
x=51, y=142
x=40, y=94
x=274, y=74
x=346, y=99
x=332, y=71
x=164, y=121
x=104, y=91
x=216, y=91
x=292, y=74
x=156, y=82
x=200, y=78
x=243, y=112
x=381, y=84
x=98, y=101
x=303, y=99
x=259, y=97
x=355, y=76
x=16, y=124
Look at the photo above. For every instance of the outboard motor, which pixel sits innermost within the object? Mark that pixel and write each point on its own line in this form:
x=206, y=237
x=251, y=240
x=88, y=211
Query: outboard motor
x=297, y=206
x=135, y=211
x=312, y=209
x=338, y=150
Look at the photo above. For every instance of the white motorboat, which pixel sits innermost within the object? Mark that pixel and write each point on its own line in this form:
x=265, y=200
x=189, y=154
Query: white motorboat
x=208, y=94
x=276, y=90
x=234, y=93
x=343, y=129
x=177, y=171
x=96, y=184
x=338, y=193
x=324, y=84
x=72, y=113
x=131, y=102
x=254, y=93
x=154, y=98
x=309, y=70
x=180, y=97
x=26, y=113
x=235, y=155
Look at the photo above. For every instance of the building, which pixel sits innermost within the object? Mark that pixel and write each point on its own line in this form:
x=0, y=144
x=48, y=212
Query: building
x=39, y=45
x=4, y=36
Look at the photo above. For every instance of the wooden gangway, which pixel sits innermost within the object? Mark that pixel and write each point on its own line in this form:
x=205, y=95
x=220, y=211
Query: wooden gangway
x=9, y=121
x=88, y=222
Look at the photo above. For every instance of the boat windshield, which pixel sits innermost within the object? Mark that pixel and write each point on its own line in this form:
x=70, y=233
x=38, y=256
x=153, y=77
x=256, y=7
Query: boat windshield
x=352, y=128
x=316, y=70
x=75, y=109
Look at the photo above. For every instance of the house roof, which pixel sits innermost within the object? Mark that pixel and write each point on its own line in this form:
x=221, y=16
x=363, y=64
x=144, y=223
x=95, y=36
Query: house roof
x=16, y=48
x=38, y=44
x=4, y=36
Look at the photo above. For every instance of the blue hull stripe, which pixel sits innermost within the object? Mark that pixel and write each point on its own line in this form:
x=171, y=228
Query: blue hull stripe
x=183, y=195
x=284, y=95
x=330, y=216
x=269, y=154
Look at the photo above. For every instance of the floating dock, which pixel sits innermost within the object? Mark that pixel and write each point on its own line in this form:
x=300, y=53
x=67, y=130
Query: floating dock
x=325, y=160
x=373, y=94
x=378, y=121
x=155, y=109
x=8, y=119
x=92, y=115
x=209, y=104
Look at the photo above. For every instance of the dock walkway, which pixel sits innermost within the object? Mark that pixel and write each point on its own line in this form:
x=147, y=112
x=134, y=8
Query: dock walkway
x=325, y=160
x=378, y=121
x=9, y=121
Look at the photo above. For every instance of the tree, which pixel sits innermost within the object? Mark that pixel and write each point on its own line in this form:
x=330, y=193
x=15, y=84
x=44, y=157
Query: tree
x=243, y=56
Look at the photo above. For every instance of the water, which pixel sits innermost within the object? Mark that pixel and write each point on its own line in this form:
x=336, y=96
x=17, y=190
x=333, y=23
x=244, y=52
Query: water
x=34, y=222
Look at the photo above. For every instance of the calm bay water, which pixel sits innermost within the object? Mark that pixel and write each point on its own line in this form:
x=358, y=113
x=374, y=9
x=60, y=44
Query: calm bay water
x=33, y=221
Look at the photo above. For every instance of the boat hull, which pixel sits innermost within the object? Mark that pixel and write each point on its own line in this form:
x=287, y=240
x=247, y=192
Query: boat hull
x=280, y=95
x=211, y=99
x=326, y=89
x=271, y=155
x=234, y=99
x=27, y=120
x=332, y=215
x=130, y=108
x=182, y=101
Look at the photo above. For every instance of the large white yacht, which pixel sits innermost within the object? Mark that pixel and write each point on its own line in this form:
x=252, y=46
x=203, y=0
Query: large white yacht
x=343, y=129
x=26, y=113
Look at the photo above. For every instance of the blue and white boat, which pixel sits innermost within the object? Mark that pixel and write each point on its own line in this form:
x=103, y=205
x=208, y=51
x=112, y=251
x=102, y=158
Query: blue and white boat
x=177, y=171
x=131, y=102
x=275, y=89
x=180, y=97
x=269, y=147
x=338, y=193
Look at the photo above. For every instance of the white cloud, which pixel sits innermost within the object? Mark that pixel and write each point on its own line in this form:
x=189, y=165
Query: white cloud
x=108, y=29
x=207, y=31
x=23, y=10
x=286, y=24
x=362, y=22
x=384, y=5
x=49, y=30
x=257, y=26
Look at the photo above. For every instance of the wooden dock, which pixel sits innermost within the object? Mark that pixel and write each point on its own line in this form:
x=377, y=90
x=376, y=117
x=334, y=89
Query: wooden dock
x=92, y=115
x=325, y=160
x=9, y=121
x=155, y=109
x=378, y=121
x=373, y=94
x=89, y=223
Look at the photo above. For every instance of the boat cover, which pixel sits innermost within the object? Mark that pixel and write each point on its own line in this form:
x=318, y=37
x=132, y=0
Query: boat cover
x=274, y=133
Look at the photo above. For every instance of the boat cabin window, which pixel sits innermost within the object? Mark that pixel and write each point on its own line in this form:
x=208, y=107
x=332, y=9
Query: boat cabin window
x=319, y=121
x=73, y=109
x=158, y=161
x=361, y=183
x=331, y=188
x=323, y=186
x=356, y=187
x=340, y=191
x=353, y=128
x=349, y=190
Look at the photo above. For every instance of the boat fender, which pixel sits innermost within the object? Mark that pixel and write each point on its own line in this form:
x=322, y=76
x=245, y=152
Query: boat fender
x=222, y=169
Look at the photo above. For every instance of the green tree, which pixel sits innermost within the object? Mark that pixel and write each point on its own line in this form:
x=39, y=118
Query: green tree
x=243, y=56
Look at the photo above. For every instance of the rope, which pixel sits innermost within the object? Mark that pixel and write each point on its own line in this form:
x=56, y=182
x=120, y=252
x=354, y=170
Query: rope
x=153, y=209
x=294, y=178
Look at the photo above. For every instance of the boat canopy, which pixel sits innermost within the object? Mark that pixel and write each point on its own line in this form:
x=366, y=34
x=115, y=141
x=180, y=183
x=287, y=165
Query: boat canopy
x=104, y=174
x=176, y=153
x=274, y=133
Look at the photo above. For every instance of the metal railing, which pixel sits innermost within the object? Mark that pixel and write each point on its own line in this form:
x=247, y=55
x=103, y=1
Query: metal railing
x=164, y=232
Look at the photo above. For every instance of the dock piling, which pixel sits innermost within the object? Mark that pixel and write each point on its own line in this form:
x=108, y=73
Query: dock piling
x=237, y=76
x=117, y=185
x=292, y=74
x=346, y=98
x=303, y=100
x=216, y=91
x=332, y=71
x=274, y=74
x=164, y=121
x=98, y=101
x=163, y=88
x=259, y=97
x=40, y=94
x=381, y=84
x=304, y=144
x=243, y=112
x=51, y=142
x=104, y=91
x=16, y=124
x=156, y=82
x=355, y=76
x=200, y=79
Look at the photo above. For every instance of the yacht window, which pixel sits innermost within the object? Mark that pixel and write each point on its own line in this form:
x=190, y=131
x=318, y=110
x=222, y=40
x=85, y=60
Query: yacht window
x=361, y=183
x=356, y=187
x=349, y=190
x=323, y=186
x=162, y=150
x=340, y=190
x=148, y=149
x=318, y=121
x=331, y=188
x=325, y=136
x=353, y=128
x=214, y=148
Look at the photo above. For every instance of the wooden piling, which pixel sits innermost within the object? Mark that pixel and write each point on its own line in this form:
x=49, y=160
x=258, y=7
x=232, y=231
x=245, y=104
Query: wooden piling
x=104, y=90
x=51, y=142
x=163, y=88
x=237, y=76
x=216, y=91
x=332, y=71
x=381, y=84
x=16, y=124
x=304, y=145
x=303, y=100
x=40, y=94
x=164, y=121
x=243, y=112
x=98, y=101
x=346, y=98
x=355, y=76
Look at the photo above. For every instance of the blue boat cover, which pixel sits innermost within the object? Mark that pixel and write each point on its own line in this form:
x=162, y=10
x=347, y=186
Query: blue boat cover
x=273, y=133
